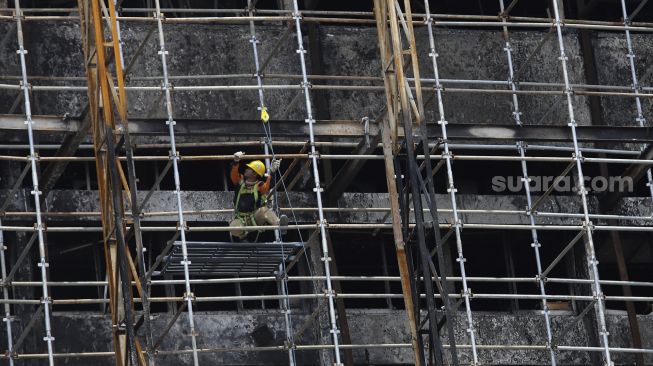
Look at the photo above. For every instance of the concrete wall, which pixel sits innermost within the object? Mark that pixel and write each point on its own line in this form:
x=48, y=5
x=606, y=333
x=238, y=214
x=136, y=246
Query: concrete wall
x=205, y=49
x=201, y=49
x=80, y=332
x=80, y=201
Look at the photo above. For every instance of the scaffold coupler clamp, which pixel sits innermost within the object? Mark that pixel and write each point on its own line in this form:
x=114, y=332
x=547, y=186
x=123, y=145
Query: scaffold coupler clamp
x=447, y=155
x=183, y=226
x=325, y=259
x=189, y=296
x=20, y=16
x=35, y=156
x=328, y=293
x=366, y=130
x=322, y=222
x=468, y=293
x=288, y=345
x=23, y=86
x=281, y=275
x=470, y=329
x=522, y=145
x=578, y=156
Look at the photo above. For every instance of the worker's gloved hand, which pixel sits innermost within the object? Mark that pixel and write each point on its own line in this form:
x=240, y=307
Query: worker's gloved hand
x=274, y=165
x=238, y=155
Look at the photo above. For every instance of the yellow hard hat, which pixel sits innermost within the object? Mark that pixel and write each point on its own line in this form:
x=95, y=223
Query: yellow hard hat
x=257, y=166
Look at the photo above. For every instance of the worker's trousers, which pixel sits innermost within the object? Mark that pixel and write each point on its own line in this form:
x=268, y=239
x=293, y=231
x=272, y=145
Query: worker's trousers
x=262, y=216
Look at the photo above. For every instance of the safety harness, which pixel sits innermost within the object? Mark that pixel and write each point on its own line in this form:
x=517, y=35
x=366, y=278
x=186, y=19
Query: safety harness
x=244, y=206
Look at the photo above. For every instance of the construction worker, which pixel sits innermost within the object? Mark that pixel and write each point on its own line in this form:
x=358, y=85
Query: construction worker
x=250, y=197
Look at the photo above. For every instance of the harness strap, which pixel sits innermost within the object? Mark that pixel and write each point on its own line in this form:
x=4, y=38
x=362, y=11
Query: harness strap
x=243, y=189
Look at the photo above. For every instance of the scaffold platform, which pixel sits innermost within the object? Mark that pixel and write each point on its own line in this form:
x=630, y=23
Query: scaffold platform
x=229, y=259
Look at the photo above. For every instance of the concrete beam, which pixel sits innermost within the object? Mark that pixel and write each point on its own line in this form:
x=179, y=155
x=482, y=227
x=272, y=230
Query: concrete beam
x=80, y=201
x=68, y=148
x=341, y=128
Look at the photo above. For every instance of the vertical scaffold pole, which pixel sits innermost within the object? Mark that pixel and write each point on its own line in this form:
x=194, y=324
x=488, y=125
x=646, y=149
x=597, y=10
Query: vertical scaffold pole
x=174, y=156
x=5, y=295
x=318, y=189
x=641, y=120
x=521, y=147
x=451, y=189
x=135, y=208
x=43, y=264
x=592, y=263
x=283, y=276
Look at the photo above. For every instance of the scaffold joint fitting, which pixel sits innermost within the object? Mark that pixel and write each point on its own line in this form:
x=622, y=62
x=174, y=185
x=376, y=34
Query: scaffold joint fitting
x=183, y=226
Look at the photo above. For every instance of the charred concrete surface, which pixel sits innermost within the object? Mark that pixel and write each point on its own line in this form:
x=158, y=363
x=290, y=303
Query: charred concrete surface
x=348, y=207
x=199, y=50
x=221, y=332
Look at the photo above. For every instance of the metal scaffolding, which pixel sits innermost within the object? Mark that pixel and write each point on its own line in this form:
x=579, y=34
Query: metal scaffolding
x=417, y=156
